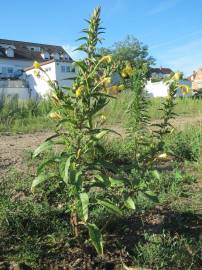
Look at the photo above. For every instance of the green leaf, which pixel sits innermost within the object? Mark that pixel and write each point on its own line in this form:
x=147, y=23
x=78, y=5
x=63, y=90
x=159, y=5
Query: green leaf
x=129, y=203
x=150, y=195
x=95, y=237
x=84, y=204
x=101, y=134
x=66, y=172
x=41, y=179
x=116, y=182
x=111, y=207
x=156, y=174
x=43, y=147
x=45, y=163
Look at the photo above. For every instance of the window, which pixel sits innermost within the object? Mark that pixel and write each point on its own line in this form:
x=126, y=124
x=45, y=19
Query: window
x=63, y=68
x=10, y=70
x=4, y=70
x=73, y=69
x=45, y=55
x=34, y=49
x=48, y=69
x=10, y=52
x=68, y=69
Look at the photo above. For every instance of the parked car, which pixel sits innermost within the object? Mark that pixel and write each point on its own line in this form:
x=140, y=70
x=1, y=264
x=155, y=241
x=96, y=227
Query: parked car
x=197, y=94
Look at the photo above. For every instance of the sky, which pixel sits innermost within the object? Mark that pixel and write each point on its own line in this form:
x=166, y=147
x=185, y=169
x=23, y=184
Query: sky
x=172, y=29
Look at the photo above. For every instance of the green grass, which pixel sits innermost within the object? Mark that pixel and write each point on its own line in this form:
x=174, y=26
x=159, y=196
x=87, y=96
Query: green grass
x=31, y=116
x=24, y=116
x=116, y=110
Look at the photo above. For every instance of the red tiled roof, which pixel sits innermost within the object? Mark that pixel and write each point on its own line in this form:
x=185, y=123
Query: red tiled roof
x=161, y=70
x=22, y=52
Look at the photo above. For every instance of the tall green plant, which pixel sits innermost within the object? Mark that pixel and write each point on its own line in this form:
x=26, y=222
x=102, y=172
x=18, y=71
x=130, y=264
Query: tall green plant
x=76, y=111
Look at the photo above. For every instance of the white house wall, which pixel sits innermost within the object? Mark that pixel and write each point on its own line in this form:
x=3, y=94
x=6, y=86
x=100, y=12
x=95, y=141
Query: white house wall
x=39, y=85
x=157, y=89
x=160, y=89
x=63, y=78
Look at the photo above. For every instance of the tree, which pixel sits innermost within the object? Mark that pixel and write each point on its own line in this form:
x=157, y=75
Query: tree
x=130, y=49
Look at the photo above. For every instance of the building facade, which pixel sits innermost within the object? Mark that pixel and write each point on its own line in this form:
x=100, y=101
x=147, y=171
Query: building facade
x=16, y=63
x=196, y=79
x=59, y=71
x=15, y=56
x=158, y=74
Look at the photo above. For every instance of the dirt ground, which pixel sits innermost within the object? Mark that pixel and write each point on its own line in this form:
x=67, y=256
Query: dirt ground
x=13, y=147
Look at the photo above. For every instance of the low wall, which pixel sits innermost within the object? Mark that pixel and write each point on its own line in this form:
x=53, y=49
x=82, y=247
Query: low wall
x=22, y=92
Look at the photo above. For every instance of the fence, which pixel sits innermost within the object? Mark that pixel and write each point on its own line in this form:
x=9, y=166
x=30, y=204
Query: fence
x=13, y=84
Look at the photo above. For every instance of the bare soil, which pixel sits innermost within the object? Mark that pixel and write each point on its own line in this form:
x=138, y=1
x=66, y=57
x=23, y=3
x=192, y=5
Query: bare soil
x=13, y=147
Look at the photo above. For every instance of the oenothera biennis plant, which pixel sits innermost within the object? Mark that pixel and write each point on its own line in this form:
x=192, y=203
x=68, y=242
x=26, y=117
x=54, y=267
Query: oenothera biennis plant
x=79, y=134
x=165, y=126
x=149, y=142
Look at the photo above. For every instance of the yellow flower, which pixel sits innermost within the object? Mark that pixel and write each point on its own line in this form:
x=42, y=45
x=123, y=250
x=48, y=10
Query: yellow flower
x=185, y=89
x=102, y=118
x=106, y=58
x=106, y=81
x=127, y=71
x=36, y=65
x=79, y=91
x=55, y=116
x=114, y=89
x=121, y=87
x=124, y=74
x=177, y=76
x=163, y=156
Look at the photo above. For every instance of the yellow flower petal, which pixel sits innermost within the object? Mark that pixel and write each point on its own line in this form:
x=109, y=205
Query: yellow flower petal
x=163, y=156
x=55, y=116
x=103, y=118
x=36, y=65
x=177, y=76
x=79, y=91
x=107, y=81
x=106, y=58
x=121, y=87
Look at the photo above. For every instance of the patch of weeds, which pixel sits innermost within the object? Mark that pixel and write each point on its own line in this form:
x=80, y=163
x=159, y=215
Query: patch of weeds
x=185, y=145
x=24, y=224
x=166, y=251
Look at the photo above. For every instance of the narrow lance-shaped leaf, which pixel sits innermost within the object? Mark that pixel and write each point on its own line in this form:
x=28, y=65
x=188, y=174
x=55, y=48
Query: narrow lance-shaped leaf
x=84, y=204
x=41, y=179
x=110, y=206
x=66, y=173
x=95, y=237
x=129, y=203
x=43, y=147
